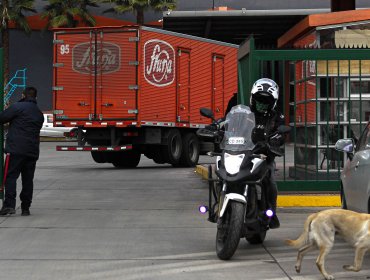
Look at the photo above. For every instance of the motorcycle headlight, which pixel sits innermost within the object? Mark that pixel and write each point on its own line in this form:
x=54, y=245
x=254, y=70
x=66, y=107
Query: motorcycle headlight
x=233, y=162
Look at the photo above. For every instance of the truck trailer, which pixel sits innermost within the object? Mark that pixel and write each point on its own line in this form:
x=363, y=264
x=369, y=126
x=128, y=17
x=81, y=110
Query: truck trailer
x=134, y=90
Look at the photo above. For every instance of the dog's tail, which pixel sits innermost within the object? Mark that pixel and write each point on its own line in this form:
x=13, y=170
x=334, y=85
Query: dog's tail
x=303, y=238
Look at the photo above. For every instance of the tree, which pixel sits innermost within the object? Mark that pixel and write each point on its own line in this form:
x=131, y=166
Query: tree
x=13, y=10
x=139, y=6
x=67, y=13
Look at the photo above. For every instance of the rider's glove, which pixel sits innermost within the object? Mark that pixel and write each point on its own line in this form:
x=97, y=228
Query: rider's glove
x=276, y=140
x=262, y=148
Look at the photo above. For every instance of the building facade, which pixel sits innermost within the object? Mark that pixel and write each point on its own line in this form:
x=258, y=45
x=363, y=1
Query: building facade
x=34, y=52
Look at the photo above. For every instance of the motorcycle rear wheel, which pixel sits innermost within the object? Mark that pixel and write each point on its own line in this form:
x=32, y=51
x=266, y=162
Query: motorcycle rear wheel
x=257, y=238
x=228, y=235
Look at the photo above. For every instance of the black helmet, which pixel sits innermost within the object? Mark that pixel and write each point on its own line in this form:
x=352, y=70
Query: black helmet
x=264, y=96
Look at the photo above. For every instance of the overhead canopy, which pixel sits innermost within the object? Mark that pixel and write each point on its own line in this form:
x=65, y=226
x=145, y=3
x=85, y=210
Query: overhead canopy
x=350, y=38
x=234, y=26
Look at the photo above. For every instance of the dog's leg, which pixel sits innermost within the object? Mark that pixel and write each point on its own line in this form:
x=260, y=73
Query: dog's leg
x=357, y=264
x=320, y=262
x=301, y=252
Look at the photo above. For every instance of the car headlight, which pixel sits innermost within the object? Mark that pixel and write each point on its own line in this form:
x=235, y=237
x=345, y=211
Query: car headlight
x=233, y=163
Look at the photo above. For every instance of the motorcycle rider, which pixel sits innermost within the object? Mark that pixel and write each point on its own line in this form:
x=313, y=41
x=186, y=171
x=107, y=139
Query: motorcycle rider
x=264, y=96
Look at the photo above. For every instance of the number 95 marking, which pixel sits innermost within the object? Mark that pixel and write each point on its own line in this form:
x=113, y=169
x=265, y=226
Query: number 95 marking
x=64, y=49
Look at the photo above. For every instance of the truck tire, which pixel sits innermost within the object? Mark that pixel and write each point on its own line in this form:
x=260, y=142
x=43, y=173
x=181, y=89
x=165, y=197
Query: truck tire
x=127, y=159
x=229, y=232
x=172, y=150
x=158, y=155
x=99, y=157
x=190, y=150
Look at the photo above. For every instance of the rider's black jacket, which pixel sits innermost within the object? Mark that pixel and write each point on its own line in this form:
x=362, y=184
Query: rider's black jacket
x=265, y=131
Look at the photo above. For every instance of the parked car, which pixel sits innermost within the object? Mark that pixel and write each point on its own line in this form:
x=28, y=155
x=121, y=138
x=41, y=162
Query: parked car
x=355, y=177
x=48, y=129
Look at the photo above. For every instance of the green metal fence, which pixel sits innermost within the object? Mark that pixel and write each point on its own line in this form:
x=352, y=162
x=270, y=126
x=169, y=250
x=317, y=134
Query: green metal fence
x=324, y=95
x=1, y=127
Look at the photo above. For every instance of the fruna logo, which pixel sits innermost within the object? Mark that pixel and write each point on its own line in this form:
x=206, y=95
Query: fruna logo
x=107, y=58
x=159, y=63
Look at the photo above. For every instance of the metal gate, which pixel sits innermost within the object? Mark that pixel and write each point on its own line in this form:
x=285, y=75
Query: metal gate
x=324, y=95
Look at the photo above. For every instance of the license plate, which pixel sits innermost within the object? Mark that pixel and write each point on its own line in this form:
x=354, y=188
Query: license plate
x=236, y=141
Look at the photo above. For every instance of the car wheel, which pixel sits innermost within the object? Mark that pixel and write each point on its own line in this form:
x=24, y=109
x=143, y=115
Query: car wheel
x=343, y=198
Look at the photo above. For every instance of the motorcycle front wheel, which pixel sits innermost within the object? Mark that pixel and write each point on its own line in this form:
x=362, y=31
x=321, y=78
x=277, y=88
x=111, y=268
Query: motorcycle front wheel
x=229, y=231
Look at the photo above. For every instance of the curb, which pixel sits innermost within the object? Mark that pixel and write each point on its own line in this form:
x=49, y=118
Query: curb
x=287, y=200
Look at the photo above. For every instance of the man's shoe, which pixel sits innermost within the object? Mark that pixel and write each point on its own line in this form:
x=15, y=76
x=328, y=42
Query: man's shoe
x=274, y=222
x=26, y=212
x=7, y=211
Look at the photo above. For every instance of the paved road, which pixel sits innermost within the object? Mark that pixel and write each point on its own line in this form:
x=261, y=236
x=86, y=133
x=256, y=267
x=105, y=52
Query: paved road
x=92, y=221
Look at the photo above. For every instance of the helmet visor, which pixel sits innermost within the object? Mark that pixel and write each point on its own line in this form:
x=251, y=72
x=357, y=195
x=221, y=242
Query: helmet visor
x=262, y=107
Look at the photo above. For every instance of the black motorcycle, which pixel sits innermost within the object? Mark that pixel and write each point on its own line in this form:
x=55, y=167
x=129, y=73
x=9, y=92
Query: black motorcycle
x=237, y=192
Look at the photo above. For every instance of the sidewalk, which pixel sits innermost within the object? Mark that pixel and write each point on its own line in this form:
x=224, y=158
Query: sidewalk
x=292, y=200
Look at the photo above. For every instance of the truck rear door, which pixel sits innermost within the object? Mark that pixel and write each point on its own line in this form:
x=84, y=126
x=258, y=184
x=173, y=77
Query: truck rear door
x=74, y=84
x=95, y=75
x=116, y=91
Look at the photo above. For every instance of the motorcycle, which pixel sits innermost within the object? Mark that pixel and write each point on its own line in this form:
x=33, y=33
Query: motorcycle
x=237, y=192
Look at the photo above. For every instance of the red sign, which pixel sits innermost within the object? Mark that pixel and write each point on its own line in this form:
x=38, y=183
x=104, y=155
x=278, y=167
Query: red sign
x=159, y=63
x=106, y=57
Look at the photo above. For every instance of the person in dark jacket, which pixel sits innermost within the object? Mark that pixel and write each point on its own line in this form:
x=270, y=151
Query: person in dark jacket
x=23, y=146
x=233, y=101
x=264, y=96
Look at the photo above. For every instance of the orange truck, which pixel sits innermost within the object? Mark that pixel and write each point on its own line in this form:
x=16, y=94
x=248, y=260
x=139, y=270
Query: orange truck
x=136, y=90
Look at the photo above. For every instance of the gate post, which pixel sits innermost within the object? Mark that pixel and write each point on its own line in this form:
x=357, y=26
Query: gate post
x=248, y=70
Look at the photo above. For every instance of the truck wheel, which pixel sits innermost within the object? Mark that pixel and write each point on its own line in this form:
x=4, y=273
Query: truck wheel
x=172, y=150
x=158, y=155
x=127, y=159
x=190, y=150
x=99, y=157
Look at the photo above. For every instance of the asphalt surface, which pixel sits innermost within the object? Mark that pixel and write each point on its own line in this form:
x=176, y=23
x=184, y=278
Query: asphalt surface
x=92, y=221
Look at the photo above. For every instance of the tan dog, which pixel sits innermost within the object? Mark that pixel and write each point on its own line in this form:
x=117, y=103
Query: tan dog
x=319, y=232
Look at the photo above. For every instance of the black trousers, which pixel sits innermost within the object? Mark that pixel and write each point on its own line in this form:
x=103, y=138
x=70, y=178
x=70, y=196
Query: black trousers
x=25, y=166
x=272, y=186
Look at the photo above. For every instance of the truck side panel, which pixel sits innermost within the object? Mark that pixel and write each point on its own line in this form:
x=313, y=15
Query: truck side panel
x=183, y=85
x=218, y=85
x=160, y=85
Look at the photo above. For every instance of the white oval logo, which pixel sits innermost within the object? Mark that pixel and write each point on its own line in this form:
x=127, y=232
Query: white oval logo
x=159, y=63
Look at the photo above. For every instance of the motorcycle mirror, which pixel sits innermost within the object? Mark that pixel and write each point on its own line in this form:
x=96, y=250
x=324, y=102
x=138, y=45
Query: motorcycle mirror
x=206, y=112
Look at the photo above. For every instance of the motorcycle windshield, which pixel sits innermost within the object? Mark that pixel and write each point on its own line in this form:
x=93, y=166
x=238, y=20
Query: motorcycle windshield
x=239, y=124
